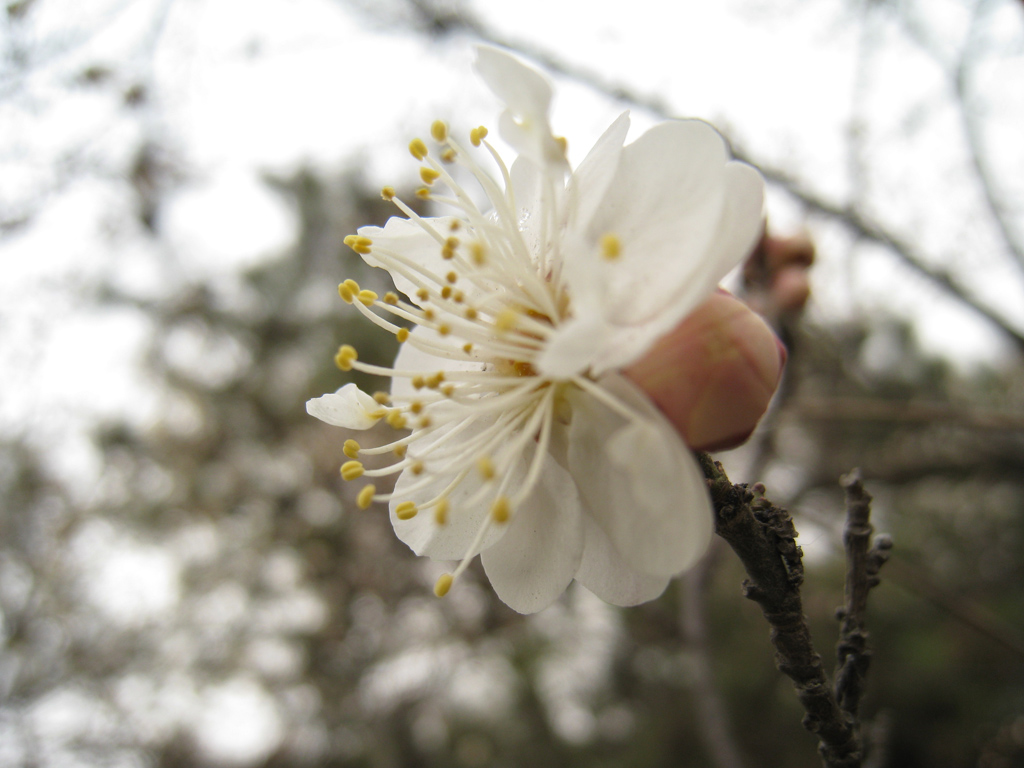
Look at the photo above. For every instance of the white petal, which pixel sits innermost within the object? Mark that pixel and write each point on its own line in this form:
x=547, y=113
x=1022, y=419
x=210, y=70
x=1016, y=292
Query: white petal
x=664, y=206
x=590, y=181
x=525, y=91
x=411, y=358
x=739, y=228
x=642, y=485
x=349, y=407
x=527, y=96
x=454, y=539
x=539, y=555
x=605, y=573
x=574, y=346
x=742, y=221
x=526, y=186
x=412, y=241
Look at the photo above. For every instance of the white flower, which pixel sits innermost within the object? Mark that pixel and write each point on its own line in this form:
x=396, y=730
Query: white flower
x=524, y=444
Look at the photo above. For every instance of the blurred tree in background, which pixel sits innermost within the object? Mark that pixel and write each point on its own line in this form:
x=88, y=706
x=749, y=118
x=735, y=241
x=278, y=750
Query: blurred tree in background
x=214, y=597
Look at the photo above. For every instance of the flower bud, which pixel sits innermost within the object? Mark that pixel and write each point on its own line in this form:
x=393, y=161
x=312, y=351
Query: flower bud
x=714, y=375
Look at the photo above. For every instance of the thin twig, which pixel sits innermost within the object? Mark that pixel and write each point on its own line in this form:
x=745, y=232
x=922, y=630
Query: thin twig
x=862, y=564
x=763, y=537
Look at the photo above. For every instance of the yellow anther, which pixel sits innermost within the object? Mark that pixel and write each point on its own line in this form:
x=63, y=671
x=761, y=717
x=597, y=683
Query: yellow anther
x=358, y=243
x=563, y=143
x=444, y=329
x=477, y=135
x=448, y=155
x=429, y=175
x=448, y=250
x=365, y=497
x=443, y=584
x=391, y=298
x=351, y=470
x=446, y=292
x=452, y=276
x=425, y=422
x=422, y=294
x=418, y=149
x=467, y=348
x=441, y=511
x=454, y=226
x=367, y=297
x=345, y=293
x=382, y=398
x=416, y=407
x=380, y=413
x=470, y=313
x=611, y=246
x=477, y=253
x=395, y=419
x=448, y=390
x=418, y=382
x=417, y=467
x=399, y=451
x=458, y=296
x=434, y=380
x=428, y=314
x=506, y=320
x=439, y=130
x=352, y=285
x=500, y=510
x=402, y=335
x=351, y=449
x=423, y=193
x=485, y=467
x=406, y=510
x=388, y=193
x=346, y=356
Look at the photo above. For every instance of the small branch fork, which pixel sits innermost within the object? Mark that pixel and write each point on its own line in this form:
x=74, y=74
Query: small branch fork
x=763, y=537
x=863, y=561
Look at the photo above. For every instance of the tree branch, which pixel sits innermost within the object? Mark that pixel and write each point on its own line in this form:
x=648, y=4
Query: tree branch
x=763, y=537
x=862, y=565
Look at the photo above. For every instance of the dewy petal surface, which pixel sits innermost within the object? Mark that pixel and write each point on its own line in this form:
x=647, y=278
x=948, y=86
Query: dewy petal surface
x=349, y=407
x=639, y=481
x=536, y=559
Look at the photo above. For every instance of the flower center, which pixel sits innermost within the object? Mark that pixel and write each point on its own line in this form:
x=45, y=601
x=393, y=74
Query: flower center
x=482, y=303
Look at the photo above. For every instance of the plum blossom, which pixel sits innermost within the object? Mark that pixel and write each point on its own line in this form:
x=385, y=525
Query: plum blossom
x=518, y=437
